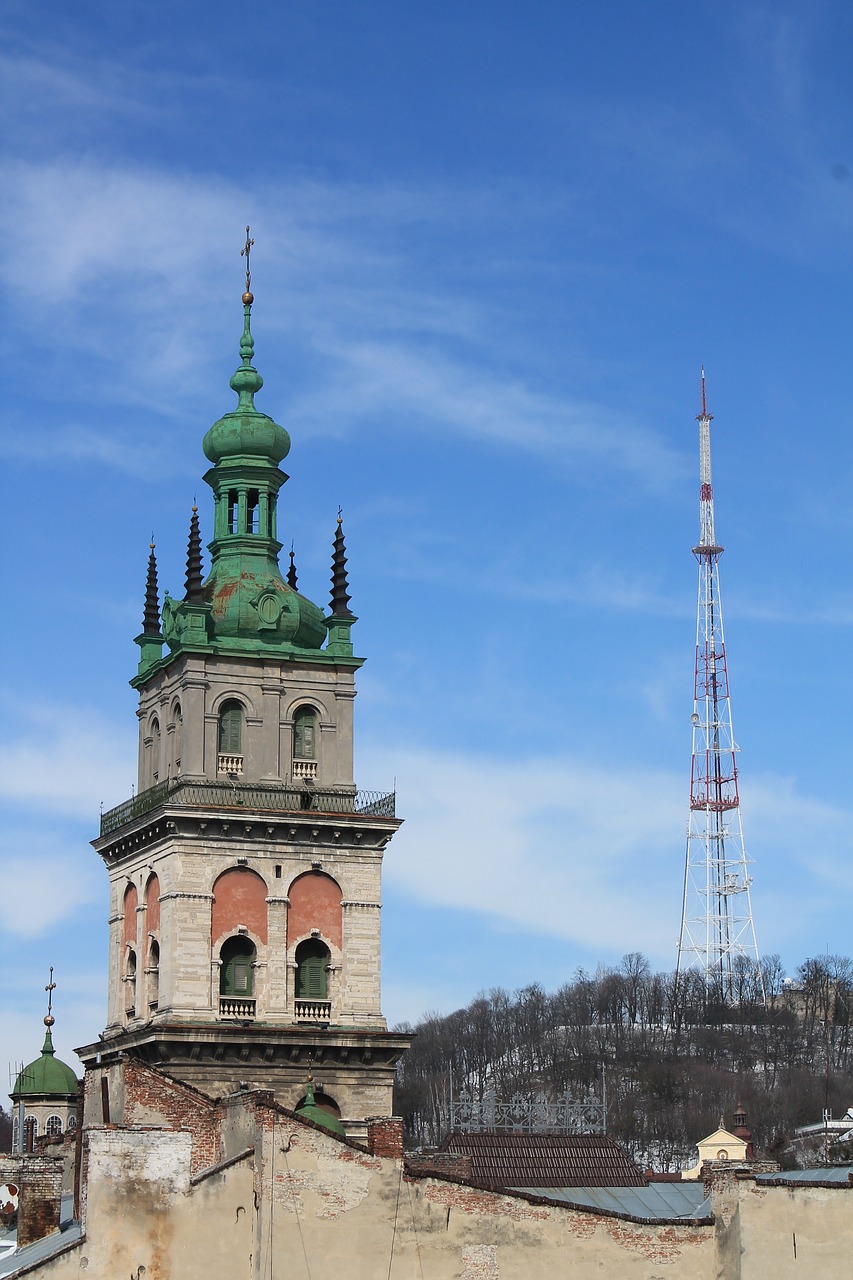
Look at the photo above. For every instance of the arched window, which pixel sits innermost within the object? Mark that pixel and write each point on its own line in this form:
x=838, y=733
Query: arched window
x=177, y=740
x=233, y=506
x=305, y=744
x=153, y=975
x=236, y=978
x=53, y=1127
x=312, y=960
x=155, y=750
x=305, y=734
x=231, y=737
x=130, y=983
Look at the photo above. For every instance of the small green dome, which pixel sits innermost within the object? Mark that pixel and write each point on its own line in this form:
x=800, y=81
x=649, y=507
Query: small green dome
x=48, y=1075
x=246, y=434
x=310, y=1111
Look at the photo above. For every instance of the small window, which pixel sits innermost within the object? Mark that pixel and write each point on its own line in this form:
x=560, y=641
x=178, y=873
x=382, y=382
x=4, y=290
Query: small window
x=155, y=750
x=236, y=974
x=233, y=509
x=231, y=729
x=312, y=959
x=153, y=975
x=130, y=983
x=278, y=871
x=305, y=734
x=53, y=1127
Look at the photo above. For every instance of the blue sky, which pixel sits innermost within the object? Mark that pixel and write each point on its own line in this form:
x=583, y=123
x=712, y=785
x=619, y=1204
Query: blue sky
x=494, y=244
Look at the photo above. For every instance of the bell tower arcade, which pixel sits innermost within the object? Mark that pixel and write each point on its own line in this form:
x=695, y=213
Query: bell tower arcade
x=245, y=872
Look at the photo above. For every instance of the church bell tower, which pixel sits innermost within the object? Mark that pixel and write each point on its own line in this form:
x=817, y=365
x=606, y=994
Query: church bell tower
x=245, y=872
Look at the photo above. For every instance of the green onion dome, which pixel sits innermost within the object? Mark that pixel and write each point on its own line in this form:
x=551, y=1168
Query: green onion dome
x=48, y=1076
x=246, y=433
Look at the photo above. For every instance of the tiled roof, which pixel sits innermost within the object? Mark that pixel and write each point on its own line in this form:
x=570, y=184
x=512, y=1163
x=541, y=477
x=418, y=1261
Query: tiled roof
x=544, y=1160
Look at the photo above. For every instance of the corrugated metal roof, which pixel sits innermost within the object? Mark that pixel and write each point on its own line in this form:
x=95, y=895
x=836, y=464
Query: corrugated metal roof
x=544, y=1160
x=655, y=1202
x=841, y=1174
x=69, y=1232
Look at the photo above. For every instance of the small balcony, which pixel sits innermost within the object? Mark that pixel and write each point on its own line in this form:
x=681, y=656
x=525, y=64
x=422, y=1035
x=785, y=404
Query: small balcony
x=313, y=1010
x=230, y=765
x=232, y=1007
x=304, y=770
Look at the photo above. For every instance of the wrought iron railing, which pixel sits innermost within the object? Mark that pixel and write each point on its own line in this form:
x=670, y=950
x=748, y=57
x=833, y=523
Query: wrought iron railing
x=527, y=1114
x=227, y=795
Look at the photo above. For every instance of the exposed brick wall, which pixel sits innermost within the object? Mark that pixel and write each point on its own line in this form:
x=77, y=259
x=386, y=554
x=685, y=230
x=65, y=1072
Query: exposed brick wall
x=39, y=1179
x=385, y=1137
x=154, y=1098
x=450, y=1164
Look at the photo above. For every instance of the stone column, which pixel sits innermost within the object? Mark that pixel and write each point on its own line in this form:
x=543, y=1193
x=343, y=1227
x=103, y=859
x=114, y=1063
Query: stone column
x=277, y=993
x=185, y=981
x=344, y=737
x=193, y=710
x=270, y=759
x=360, y=998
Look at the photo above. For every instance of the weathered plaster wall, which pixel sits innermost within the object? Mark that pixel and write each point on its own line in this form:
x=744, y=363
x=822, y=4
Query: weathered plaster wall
x=783, y=1231
x=302, y=1194
x=281, y=1191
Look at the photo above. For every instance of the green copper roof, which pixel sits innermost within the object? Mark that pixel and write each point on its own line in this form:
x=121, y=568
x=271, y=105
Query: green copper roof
x=310, y=1111
x=246, y=433
x=48, y=1075
x=245, y=606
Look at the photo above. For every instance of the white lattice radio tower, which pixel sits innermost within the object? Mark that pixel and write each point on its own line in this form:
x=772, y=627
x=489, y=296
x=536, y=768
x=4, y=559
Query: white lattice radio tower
x=717, y=930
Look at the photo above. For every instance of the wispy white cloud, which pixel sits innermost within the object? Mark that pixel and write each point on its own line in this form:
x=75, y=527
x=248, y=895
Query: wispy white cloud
x=593, y=853
x=65, y=760
x=47, y=879
x=112, y=271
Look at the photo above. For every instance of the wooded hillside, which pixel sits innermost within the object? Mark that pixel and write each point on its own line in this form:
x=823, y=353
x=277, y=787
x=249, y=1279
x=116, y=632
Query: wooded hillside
x=675, y=1057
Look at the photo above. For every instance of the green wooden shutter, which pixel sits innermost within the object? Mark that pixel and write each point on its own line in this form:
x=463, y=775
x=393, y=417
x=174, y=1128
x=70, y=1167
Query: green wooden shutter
x=311, y=959
x=236, y=973
x=231, y=730
x=305, y=735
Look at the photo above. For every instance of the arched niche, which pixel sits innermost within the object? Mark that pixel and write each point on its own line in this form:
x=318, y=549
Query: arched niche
x=315, y=904
x=239, y=899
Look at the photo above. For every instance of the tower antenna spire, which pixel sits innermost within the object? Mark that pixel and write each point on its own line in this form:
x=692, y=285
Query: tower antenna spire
x=717, y=930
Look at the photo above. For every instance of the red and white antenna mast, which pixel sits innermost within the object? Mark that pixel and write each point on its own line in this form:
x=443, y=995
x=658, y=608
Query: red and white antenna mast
x=717, y=930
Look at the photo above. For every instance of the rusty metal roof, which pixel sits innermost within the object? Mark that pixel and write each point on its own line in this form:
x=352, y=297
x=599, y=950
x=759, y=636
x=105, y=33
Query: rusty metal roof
x=501, y=1160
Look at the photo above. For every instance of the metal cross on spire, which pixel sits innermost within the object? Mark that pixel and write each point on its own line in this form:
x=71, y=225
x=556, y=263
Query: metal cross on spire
x=244, y=253
x=50, y=988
